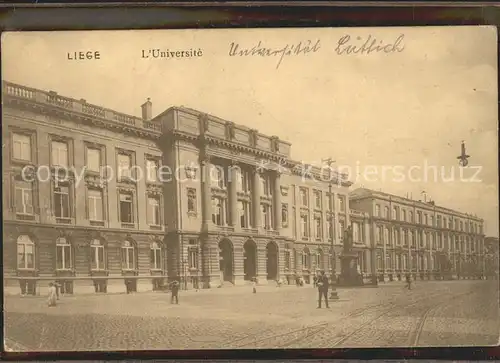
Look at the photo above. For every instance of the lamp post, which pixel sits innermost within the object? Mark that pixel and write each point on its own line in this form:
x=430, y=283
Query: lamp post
x=333, y=291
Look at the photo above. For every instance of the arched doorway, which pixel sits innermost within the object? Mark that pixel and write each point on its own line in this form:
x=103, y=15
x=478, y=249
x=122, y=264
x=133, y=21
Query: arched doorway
x=250, y=259
x=226, y=260
x=272, y=261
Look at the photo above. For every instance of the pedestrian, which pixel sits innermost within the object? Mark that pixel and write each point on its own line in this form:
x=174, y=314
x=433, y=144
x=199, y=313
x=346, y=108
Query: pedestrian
x=52, y=295
x=408, y=281
x=254, y=285
x=315, y=280
x=323, y=289
x=174, y=288
x=57, y=285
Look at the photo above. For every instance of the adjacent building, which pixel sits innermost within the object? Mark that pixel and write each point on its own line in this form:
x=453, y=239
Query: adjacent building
x=420, y=237
x=102, y=201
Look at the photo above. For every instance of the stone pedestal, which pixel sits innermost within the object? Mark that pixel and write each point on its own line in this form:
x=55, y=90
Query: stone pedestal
x=349, y=275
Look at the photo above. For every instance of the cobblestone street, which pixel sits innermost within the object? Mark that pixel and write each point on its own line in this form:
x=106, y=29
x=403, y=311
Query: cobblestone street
x=444, y=313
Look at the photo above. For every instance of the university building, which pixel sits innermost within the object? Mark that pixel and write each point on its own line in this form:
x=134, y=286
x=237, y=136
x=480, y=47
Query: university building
x=100, y=200
x=421, y=238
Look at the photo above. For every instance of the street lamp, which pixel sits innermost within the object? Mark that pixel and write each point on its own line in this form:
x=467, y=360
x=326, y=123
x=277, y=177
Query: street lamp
x=333, y=292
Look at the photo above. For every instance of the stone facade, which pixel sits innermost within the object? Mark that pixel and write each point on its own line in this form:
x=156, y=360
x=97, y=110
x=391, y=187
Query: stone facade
x=101, y=221
x=442, y=243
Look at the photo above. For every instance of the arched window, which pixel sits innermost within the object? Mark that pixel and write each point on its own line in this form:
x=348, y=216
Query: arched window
x=25, y=253
x=386, y=213
x=155, y=256
x=97, y=257
x=64, y=254
x=405, y=262
x=128, y=256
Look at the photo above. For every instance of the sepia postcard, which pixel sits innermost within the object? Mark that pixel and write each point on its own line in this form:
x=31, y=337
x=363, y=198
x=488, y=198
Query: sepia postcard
x=250, y=188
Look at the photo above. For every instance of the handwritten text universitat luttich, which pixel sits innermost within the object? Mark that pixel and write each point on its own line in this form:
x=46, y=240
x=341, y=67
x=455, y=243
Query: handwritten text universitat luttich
x=300, y=48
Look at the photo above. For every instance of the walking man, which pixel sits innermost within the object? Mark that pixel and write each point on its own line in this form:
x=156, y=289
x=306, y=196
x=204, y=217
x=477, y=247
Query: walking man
x=408, y=281
x=323, y=289
x=174, y=287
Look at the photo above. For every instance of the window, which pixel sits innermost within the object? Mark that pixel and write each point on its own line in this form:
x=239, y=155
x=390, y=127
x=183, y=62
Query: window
x=380, y=235
x=61, y=202
x=411, y=216
x=59, y=153
x=426, y=219
x=394, y=213
x=386, y=236
x=386, y=212
x=266, y=215
x=154, y=217
x=461, y=226
x=97, y=255
x=243, y=180
x=329, y=200
x=304, y=225
x=405, y=237
x=319, y=259
x=317, y=199
x=411, y=237
x=193, y=257
x=126, y=208
x=419, y=217
x=432, y=221
x=25, y=253
x=395, y=233
x=306, y=259
x=438, y=220
x=287, y=259
x=265, y=186
x=303, y=197
x=379, y=262
x=191, y=200
x=388, y=262
x=95, y=205
x=217, y=211
x=284, y=215
x=403, y=215
x=152, y=170
x=217, y=176
x=93, y=159
x=63, y=254
x=155, y=256
x=24, y=198
x=450, y=223
x=377, y=210
x=124, y=166
x=405, y=262
x=21, y=147
x=128, y=256
x=318, y=227
x=244, y=213
x=341, y=200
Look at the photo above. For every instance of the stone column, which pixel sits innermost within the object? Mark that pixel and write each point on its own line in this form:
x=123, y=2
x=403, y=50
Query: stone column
x=277, y=202
x=256, y=223
x=233, y=195
x=206, y=195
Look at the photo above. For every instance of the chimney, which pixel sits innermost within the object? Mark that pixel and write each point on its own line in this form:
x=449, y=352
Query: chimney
x=147, y=110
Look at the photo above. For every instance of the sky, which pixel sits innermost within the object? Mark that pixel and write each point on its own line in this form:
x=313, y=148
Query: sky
x=384, y=117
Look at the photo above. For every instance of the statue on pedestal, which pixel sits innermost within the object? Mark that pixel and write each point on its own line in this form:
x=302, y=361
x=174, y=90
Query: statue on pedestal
x=347, y=239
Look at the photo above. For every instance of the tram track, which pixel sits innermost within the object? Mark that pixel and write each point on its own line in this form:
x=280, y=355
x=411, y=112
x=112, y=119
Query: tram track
x=317, y=328
x=414, y=335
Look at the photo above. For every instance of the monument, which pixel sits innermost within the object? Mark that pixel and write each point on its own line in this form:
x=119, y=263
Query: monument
x=350, y=274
